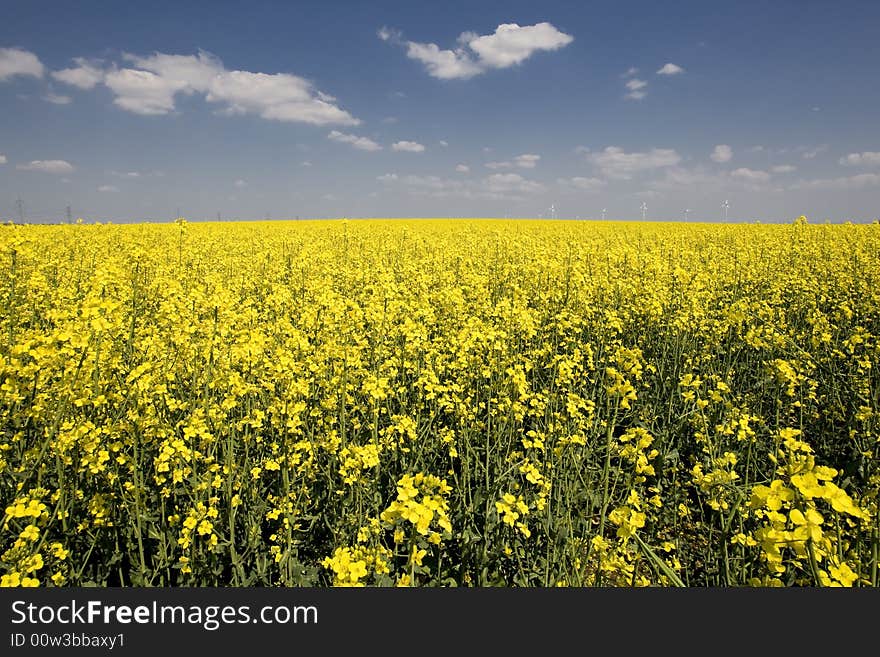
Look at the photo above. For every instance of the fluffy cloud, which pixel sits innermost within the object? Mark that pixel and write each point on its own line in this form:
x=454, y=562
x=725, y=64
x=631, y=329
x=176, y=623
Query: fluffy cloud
x=512, y=44
x=867, y=158
x=108, y=189
x=670, y=69
x=85, y=75
x=810, y=153
x=859, y=181
x=783, y=168
x=524, y=161
x=509, y=45
x=583, y=184
x=614, y=162
x=47, y=166
x=361, y=143
x=57, y=99
x=721, y=153
x=408, y=146
x=750, y=175
x=443, y=64
x=14, y=61
x=636, y=89
x=189, y=72
x=499, y=186
x=462, y=168
x=2, y=159
x=240, y=183
x=679, y=178
x=511, y=183
x=142, y=92
x=151, y=84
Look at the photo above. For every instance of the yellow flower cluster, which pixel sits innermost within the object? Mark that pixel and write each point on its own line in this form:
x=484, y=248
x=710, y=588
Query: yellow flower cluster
x=439, y=402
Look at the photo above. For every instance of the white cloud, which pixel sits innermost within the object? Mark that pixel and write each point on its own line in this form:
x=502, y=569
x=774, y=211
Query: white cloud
x=388, y=34
x=512, y=44
x=636, y=89
x=443, y=64
x=279, y=97
x=189, y=72
x=859, y=181
x=462, y=168
x=389, y=120
x=85, y=75
x=670, y=69
x=499, y=186
x=581, y=183
x=811, y=153
x=750, y=175
x=506, y=183
x=632, y=70
x=783, y=168
x=614, y=162
x=867, y=158
x=150, y=86
x=142, y=92
x=108, y=189
x=125, y=174
x=57, y=99
x=679, y=178
x=524, y=161
x=721, y=153
x=361, y=143
x=444, y=143
x=509, y=45
x=408, y=147
x=3, y=159
x=15, y=61
x=240, y=183
x=305, y=163
x=47, y=166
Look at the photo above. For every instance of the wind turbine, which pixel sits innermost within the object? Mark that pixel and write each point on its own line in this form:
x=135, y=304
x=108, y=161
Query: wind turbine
x=686, y=213
x=603, y=213
x=725, y=206
x=644, y=209
x=553, y=211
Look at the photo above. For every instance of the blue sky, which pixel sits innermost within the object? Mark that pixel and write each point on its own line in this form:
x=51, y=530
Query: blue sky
x=132, y=111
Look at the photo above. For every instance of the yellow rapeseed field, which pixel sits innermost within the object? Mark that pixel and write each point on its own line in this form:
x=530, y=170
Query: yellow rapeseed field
x=440, y=403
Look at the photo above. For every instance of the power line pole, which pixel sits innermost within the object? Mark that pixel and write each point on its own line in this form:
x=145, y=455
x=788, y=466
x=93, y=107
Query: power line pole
x=218, y=217
x=67, y=212
x=19, y=206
